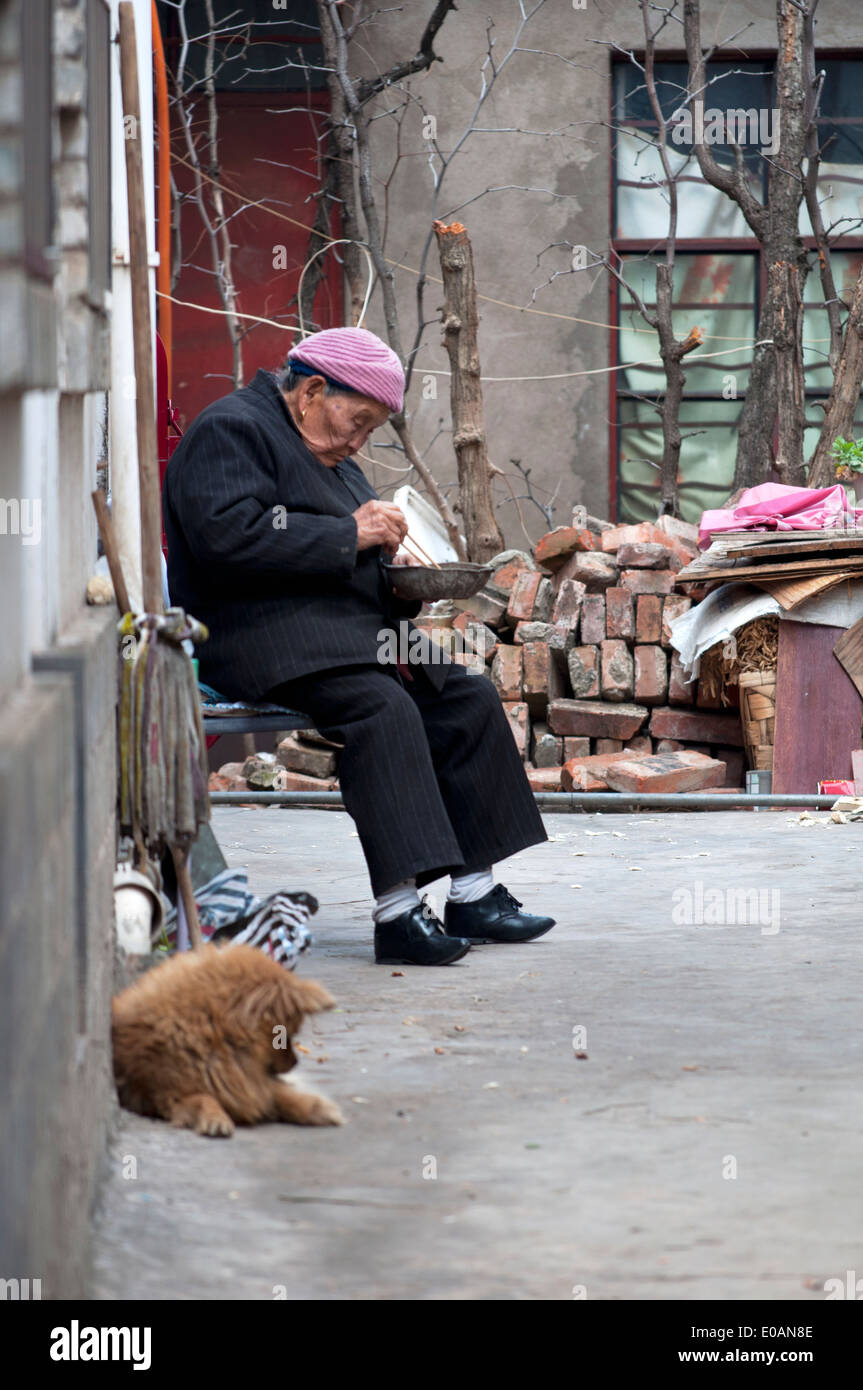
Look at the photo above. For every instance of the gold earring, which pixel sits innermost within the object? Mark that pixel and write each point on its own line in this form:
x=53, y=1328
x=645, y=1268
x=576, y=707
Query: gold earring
x=302, y=415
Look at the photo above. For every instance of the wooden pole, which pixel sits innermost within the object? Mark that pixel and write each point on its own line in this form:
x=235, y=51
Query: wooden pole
x=142, y=332
x=109, y=541
x=460, y=328
x=186, y=895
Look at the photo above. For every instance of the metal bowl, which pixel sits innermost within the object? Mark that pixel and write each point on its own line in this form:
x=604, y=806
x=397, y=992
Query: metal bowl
x=453, y=579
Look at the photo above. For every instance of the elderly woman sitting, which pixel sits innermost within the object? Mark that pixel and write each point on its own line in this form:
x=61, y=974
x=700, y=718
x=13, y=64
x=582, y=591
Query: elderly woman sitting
x=276, y=541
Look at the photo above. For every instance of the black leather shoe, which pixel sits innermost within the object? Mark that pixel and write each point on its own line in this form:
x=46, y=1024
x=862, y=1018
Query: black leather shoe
x=496, y=917
x=417, y=938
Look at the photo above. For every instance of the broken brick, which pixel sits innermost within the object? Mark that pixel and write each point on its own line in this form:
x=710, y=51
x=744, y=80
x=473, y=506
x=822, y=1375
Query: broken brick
x=575, y=748
x=616, y=670
x=583, y=664
x=506, y=672
x=587, y=774
x=693, y=726
x=648, y=617
x=522, y=596
x=485, y=606
x=642, y=743
x=673, y=606
x=596, y=719
x=568, y=602
x=666, y=772
x=619, y=613
x=608, y=745
x=651, y=675
x=541, y=679
x=300, y=757
x=680, y=690
x=287, y=781
x=515, y=563
x=546, y=748
x=648, y=581
x=516, y=713
x=556, y=546
x=647, y=555
x=591, y=568
x=648, y=533
x=593, y=619
x=543, y=779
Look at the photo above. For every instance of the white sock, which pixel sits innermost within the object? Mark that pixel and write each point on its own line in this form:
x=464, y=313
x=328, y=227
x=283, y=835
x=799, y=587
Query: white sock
x=466, y=888
x=395, y=901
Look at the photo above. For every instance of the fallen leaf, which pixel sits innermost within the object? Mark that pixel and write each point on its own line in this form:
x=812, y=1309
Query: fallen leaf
x=397, y=972
x=458, y=1027
x=300, y=1048
x=581, y=1057
x=692, y=1068
x=440, y=1051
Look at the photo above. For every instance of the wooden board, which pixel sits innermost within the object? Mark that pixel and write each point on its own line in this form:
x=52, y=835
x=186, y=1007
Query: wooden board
x=769, y=569
x=790, y=593
x=849, y=652
x=818, y=710
x=771, y=537
x=794, y=549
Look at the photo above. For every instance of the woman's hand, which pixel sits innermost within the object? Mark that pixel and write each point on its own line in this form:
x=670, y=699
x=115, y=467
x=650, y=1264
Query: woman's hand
x=380, y=523
x=402, y=558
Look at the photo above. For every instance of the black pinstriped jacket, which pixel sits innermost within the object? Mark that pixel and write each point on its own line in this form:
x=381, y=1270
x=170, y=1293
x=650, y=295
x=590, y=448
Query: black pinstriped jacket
x=262, y=547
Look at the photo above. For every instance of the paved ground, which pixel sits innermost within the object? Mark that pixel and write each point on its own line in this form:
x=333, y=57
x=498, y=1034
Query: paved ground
x=482, y=1158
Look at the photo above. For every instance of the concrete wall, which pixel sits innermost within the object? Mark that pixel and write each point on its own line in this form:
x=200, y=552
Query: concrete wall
x=57, y=693
x=557, y=428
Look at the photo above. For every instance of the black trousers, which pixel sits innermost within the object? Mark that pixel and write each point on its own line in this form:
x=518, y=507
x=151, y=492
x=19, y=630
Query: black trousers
x=433, y=780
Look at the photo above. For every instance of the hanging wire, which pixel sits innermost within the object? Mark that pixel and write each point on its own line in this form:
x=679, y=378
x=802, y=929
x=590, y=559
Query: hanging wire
x=342, y=241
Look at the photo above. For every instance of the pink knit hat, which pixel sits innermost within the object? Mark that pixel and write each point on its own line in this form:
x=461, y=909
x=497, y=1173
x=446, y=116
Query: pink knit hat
x=356, y=358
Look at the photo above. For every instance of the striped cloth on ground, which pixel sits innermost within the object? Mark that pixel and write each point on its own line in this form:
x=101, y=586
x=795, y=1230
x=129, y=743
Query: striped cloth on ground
x=230, y=914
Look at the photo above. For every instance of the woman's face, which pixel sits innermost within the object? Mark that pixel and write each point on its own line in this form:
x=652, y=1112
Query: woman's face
x=334, y=427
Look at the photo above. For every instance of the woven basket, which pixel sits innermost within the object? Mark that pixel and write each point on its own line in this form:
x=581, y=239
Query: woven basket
x=758, y=716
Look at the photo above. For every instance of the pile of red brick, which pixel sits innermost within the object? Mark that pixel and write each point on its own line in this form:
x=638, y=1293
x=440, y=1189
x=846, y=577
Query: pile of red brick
x=303, y=762
x=576, y=641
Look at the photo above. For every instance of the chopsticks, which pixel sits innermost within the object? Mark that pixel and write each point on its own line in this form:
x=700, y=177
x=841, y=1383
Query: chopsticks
x=423, y=556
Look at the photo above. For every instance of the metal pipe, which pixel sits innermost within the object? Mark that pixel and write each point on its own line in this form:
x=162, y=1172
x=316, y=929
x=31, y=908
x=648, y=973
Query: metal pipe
x=567, y=801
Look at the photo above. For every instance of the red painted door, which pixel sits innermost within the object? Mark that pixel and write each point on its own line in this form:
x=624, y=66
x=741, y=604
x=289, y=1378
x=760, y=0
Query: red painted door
x=268, y=152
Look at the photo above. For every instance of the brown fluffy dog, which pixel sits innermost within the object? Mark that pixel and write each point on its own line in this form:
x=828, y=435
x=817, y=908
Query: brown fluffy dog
x=201, y=1039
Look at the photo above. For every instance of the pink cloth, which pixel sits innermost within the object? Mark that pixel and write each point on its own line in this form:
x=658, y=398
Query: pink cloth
x=775, y=507
x=356, y=358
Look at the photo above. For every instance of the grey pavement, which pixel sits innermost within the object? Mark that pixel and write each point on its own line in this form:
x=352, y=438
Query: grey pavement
x=706, y=1145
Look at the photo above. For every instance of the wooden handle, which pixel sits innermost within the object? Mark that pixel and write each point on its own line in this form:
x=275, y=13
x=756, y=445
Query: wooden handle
x=112, y=554
x=142, y=333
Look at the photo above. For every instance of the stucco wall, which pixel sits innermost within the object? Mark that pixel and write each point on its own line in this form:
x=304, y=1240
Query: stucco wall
x=557, y=428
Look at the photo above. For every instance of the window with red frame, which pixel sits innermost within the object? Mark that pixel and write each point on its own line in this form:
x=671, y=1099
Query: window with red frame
x=719, y=273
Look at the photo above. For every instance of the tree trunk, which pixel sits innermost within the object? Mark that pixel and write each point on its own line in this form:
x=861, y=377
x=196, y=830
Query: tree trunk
x=776, y=379
x=460, y=324
x=788, y=350
x=340, y=167
x=839, y=416
x=758, y=413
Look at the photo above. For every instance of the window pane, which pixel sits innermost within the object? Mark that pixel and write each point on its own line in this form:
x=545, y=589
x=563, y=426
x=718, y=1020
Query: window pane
x=718, y=292
x=641, y=207
x=816, y=330
x=707, y=457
